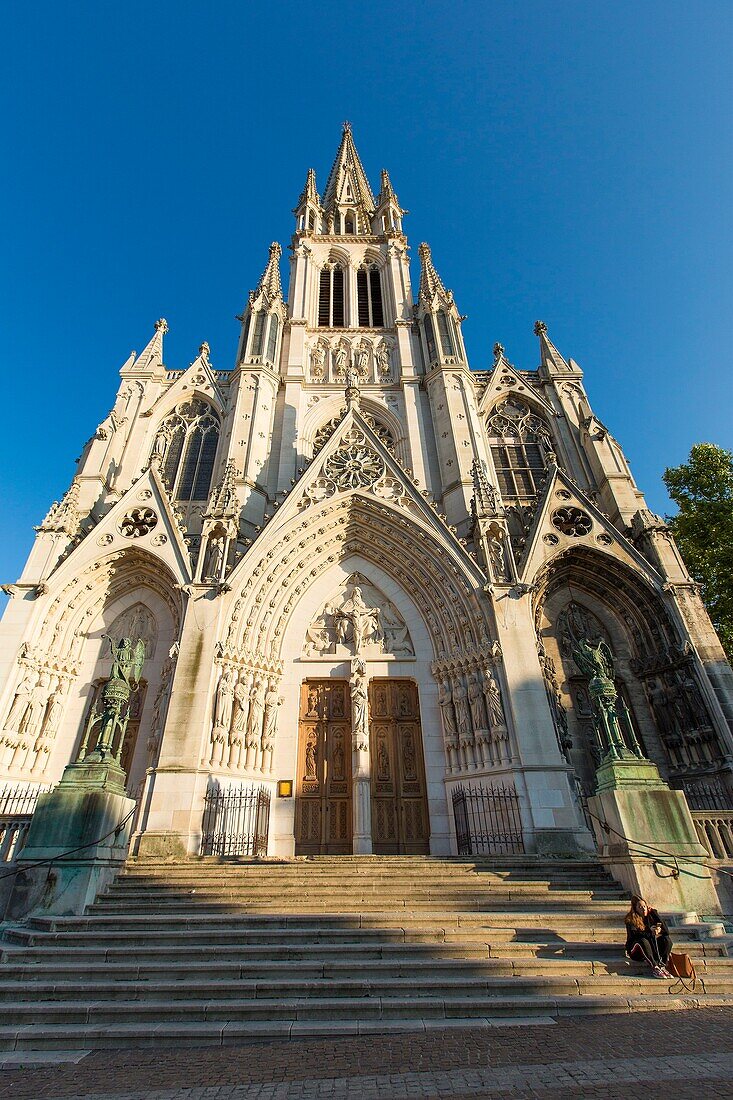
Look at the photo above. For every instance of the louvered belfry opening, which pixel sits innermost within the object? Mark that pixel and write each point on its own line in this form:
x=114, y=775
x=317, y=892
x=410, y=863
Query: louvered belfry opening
x=369, y=297
x=331, y=298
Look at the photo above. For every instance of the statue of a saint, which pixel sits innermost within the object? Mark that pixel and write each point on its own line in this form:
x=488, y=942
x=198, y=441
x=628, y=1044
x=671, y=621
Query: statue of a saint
x=223, y=707
x=20, y=702
x=476, y=703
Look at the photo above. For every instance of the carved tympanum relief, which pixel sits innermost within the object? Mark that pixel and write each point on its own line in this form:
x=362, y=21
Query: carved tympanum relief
x=358, y=620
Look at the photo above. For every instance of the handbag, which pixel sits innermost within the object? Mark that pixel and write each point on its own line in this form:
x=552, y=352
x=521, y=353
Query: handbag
x=681, y=966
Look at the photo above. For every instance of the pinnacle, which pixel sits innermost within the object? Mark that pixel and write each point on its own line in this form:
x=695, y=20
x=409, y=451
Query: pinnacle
x=152, y=354
x=309, y=192
x=430, y=281
x=270, y=283
x=549, y=355
x=348, y=164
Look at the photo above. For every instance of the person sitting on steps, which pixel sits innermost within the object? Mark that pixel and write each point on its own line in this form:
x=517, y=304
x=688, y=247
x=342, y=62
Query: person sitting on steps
x=647, y=937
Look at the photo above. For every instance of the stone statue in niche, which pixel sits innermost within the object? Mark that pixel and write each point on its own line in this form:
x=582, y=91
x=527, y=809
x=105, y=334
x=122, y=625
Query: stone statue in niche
x=20, y=702
x=224, y=699
x=256, y=718
x=214, y=558
x=476, y=703
x=359, y=620
x=30, y=723
x=318, y=363
x=359, y=706
x=340, y=362
x=273, y=702
x=361, y=363
x=384, y=366
x=460, y=702
x=497, y=554
x=493, y=700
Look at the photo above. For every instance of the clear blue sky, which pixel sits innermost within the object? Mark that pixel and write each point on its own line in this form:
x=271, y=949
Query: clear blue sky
x=569, y=161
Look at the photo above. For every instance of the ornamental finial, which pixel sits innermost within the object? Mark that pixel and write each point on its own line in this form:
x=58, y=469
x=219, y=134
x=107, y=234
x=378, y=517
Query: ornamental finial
x=540, y=328
x=498, y=351
x=347, y=126
x=204, y=350
x=161, y=325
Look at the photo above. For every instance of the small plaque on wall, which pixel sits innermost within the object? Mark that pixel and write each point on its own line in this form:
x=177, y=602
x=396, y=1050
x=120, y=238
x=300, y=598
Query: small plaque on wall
x=284, y=788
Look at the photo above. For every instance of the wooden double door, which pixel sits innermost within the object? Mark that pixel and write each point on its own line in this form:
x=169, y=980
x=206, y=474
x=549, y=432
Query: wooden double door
x=324, y=802
x=400, y=823
x=323, y=797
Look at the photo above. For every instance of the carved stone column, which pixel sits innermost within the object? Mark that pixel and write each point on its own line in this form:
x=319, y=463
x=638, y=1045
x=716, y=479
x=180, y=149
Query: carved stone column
x=361, y=759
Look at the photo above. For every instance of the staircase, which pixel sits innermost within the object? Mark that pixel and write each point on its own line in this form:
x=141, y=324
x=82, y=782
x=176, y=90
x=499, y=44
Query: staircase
x=225, y=951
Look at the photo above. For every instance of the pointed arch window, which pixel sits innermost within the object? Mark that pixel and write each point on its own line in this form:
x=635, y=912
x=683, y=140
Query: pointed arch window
x=430, y=339
x=369, y=297
x=258, y=334
x=331, y=298
x=520, y=445
x=446, y=338
x=190, y=439
x=245, y=335
x=272, y=338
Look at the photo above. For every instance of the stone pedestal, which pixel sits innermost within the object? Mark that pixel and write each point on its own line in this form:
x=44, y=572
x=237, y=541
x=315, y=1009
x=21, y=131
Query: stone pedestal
x=75, y=817
x=362, y=839
x=635, y=802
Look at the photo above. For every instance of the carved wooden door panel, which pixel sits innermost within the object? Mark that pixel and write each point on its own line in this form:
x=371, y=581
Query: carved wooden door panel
x=400, y=823
x=323, y=812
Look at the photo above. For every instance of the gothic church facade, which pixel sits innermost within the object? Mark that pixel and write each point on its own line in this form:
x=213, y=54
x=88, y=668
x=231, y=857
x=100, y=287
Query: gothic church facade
x=361, y=566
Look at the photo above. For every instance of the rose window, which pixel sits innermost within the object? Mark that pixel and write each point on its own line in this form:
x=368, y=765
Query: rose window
x=572, y=521
x=138, y=522
x=354, y=467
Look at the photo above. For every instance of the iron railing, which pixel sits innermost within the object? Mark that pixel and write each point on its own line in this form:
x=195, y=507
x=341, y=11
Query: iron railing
x=17, y=805
x=236, y=821
x=707, y=794
x=487, y=821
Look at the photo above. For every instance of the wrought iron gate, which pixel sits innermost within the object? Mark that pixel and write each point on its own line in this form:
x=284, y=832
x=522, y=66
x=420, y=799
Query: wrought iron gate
x=236, y=821
x=487, y=821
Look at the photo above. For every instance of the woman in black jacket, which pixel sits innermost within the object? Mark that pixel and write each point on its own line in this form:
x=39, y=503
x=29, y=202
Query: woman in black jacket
x=647, y=937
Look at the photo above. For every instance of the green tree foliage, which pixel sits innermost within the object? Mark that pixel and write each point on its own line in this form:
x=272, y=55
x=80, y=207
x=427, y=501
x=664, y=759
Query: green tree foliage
x=702, y=489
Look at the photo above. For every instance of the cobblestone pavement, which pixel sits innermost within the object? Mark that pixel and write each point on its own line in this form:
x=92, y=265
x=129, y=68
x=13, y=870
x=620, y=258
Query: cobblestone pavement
x=683, y=1054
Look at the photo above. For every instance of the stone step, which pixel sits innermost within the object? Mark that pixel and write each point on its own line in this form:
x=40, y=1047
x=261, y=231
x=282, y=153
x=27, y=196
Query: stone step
x=407, y=909
x=305, y=884
x=235, y=956
x=229, y=1033
x=149, y=1013
x=312, y=887
x=42, y=1000
x=308, y=923
x=226, y=873
x=311, y=966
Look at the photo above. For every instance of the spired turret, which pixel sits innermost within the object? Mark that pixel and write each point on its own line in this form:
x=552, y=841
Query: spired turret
x=438, y=317
x=348, y=202
x=309, y=212
x=264, y=316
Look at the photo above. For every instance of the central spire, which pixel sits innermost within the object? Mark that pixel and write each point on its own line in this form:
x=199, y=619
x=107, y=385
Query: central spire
x=348, y=201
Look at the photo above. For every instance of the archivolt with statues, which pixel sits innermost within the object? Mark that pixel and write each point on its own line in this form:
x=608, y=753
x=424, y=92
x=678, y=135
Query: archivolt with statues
x=585, y=593
x=438, y=582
